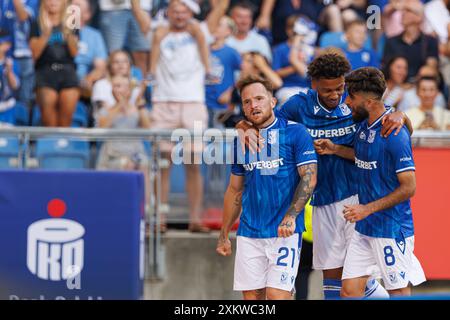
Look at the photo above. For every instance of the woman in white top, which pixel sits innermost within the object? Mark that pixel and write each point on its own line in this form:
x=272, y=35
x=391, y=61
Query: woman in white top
x=426, y=116
x=119, y=64
x=396, y=72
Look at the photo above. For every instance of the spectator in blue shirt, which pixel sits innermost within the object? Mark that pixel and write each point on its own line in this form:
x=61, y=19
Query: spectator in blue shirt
x=357, y=55
x=224, y=62
x=290, y=59
x=17, y=16
x=92, y=56
x=9, y=80
x=7, y=16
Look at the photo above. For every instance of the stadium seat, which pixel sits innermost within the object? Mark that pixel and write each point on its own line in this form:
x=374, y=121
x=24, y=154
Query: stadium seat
x=62, y=153
x=80, y=116
x=337, y=39
x=333, y=39
x=22, y=115
x=178, y=177
x=9, y=151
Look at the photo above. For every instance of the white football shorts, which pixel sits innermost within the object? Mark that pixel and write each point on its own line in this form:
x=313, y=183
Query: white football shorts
x=331, y=234
x=393, y=261
x=270, y=262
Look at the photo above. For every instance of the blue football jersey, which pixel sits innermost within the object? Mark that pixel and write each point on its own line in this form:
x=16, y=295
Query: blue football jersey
x=378, y=161
x=335, y=179
x=271, y=178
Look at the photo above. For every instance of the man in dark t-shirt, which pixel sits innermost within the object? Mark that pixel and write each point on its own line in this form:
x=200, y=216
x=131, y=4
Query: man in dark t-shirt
x=418, y=48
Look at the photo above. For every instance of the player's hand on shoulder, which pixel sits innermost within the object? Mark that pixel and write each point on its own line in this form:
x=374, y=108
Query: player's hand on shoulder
x=287, y=226
x=223, y=246
x=392, y=122
x=355, y=212
x=324, y=146
x=249, y=137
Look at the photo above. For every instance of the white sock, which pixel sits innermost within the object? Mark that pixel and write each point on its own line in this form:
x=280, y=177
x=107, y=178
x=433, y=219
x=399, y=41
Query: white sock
x=374, y=290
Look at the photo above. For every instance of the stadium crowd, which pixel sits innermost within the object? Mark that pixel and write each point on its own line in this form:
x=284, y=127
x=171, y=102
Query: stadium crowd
x=167, y=64
x=57, y=63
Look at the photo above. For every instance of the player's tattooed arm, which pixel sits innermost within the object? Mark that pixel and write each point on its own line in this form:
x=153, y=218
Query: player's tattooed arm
x=308, y=179
x=403, y=192
x=232, y=207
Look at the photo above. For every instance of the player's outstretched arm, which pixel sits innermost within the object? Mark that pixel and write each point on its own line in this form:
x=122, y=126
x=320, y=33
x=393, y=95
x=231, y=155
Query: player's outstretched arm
x=232, y=206
x=249, y=136
x=405, y=191
x=304, y=191
x=395, y=122
x=327, y=147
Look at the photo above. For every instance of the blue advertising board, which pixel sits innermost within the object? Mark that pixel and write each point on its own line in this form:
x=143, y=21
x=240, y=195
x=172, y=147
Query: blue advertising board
x=71, y=235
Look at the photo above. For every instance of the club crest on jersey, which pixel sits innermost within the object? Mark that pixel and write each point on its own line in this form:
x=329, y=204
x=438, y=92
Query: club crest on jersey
x=316, y=109
x=272, y=137
x=345, y=109
x=362, y=135
x=401, y=246
x=371, y=137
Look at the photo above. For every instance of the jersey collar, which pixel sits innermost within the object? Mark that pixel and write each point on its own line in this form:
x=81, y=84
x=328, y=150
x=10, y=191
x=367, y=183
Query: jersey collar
x=320, y=104
x=389, y=110
x=271, y=125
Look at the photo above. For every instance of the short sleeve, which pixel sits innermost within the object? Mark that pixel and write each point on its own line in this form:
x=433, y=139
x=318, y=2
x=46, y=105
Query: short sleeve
x=236, y=168
x=400, y=150
x=303, y=146
x=290, y=110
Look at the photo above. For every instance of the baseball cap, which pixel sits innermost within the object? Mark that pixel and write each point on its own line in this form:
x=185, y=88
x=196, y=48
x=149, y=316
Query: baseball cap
x=192, y=5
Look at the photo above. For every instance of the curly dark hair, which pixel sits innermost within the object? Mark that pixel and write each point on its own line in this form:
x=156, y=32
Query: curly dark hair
x=329, y=66
x=366, y=80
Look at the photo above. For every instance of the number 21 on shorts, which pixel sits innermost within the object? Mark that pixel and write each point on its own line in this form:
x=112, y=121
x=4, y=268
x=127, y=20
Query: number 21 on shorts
x=283, y=259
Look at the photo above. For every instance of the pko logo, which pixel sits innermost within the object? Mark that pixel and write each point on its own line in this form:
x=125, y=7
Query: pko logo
x=55, y=247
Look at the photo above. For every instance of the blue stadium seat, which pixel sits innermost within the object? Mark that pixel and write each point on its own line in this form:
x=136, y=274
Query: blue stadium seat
x=22, y=115
x=178, y=177
x=333, y=39
x=80, y=116
x=62, y=153
x=36, y=116
x=9, y=150
x=337, y=39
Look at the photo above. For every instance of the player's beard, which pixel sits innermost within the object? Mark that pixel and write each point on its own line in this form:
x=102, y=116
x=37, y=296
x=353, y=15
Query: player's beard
x=359, y=113
x=257, y=121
